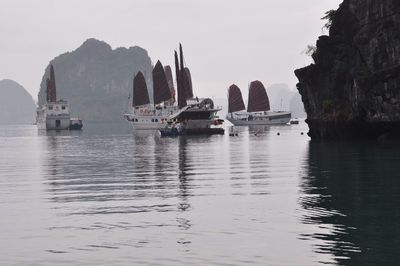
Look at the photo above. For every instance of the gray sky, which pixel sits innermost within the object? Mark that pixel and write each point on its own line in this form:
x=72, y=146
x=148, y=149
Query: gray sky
x=224, y=41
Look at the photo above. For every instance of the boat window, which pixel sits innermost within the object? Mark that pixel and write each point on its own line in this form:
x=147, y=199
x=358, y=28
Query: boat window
x=63, y=107
x=156, y=120
x=136, y=120
x=50, y=107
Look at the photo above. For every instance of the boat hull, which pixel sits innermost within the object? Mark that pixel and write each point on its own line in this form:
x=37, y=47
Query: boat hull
x=278, y=118
x=54, y=123
x=173, y=132
x=147, y=122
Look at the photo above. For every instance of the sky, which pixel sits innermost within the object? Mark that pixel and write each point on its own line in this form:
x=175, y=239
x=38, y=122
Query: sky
x=224, y=41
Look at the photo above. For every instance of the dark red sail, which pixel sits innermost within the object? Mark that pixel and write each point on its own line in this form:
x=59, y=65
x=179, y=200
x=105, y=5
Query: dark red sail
x=170, y=80
x=140, y=93
x=161, y=91
x=181, y=93
x=258, y=98
x=187, y=83
x=235, y=99
x=51, y=86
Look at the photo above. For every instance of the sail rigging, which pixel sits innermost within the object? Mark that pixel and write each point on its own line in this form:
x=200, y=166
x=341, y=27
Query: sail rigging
x=258, y=98
x=140, y=93
x=235, y=99
x=161, y=88
x=51, y=86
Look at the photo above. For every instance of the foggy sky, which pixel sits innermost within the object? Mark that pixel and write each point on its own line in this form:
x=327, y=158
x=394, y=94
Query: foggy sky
x=224, y=41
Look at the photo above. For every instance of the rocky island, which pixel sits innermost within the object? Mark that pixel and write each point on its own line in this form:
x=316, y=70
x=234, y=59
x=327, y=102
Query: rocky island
x=96, y=79
x=16, y=104
x=352, y=91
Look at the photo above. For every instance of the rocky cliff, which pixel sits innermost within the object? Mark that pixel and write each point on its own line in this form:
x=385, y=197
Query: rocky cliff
x=16, y=104
x=352, y=91
x=97, y=80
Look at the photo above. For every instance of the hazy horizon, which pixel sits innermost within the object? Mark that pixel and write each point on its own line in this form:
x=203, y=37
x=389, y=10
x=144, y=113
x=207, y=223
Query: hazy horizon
x=224, y=41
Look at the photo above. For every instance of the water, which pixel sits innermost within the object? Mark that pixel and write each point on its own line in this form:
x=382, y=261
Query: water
x=109, y=196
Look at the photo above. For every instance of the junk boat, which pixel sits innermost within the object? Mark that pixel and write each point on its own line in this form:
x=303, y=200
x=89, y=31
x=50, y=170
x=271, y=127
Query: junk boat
x=152, y=116
x=54, y=114
x=258, y=108
x=195, y=116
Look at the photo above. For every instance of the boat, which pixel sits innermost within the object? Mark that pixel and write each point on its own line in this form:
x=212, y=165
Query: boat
x=195, y=116
x=54, y=114
x=75, y=124
x=145, y=115
x=258, y=108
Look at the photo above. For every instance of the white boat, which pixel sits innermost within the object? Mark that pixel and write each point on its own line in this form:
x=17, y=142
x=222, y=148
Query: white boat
x=143, y=114
x=54, y=114
x=258, y=108
x=262, y=118
x=150, y=117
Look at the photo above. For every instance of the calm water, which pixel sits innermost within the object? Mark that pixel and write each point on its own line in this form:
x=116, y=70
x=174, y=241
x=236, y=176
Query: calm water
x=109, y=196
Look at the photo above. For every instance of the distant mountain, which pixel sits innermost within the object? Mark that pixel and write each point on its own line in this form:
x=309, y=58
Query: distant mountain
x=297, y=106
x=281, y=97
x=16, y=104
x=97, y=80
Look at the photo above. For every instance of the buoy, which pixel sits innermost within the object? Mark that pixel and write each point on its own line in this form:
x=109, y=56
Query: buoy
x=278, y=134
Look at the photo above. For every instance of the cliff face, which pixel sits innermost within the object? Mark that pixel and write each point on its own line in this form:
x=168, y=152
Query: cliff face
x=96, y=80
x=353, y=89
x=16, y=104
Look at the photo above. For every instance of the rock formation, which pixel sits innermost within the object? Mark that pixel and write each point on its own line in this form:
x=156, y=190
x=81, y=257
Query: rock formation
x=352, y=91
x=16, y=104
x=282, y=98
x=97, y=80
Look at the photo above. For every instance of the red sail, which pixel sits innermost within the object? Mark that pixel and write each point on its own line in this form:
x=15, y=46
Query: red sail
x=187, y=83
x=140, y=93
x=235, y=99
x=161, y=92
x=258, y=98
x=181, y=93
x=51, y=86
x=170, y=80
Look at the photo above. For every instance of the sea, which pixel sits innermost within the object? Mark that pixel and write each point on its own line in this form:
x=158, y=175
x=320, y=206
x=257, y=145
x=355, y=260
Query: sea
x=108, y=195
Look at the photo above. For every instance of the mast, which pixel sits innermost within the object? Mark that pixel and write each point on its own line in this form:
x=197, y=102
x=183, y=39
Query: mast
x=181, y=93
x=181, y=57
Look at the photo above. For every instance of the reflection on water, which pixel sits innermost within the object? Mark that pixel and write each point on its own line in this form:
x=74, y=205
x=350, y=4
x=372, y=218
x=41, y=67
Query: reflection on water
x=352, y=192
x=111, y=196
